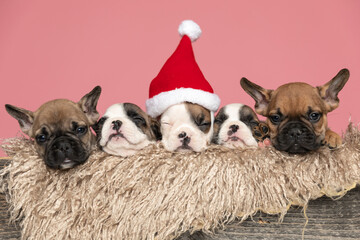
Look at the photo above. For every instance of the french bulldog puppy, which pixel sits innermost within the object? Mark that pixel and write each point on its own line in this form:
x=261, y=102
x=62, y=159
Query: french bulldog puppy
x=236, y=125
x=125, y=129
x=297, y=113
x=186, y=127
x=61, y=129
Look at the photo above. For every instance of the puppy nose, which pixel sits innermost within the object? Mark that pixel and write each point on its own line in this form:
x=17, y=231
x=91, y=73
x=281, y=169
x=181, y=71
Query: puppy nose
x=116, y=124
x=182, y=135
x=295, y=133
x=63, y=146
x=186, y=141
x=234, y=128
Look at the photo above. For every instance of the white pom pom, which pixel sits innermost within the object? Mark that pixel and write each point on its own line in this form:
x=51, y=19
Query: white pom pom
x=189, y=28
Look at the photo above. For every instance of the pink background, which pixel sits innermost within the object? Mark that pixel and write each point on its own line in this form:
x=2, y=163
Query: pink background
x=62, y=49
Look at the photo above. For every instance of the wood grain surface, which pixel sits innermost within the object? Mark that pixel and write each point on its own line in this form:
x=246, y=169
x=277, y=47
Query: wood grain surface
x=327, y=219
x=7, y=230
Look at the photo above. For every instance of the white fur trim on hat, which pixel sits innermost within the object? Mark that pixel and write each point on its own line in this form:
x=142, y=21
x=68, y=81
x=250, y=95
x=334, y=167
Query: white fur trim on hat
x=190, y=29
x=156, y=105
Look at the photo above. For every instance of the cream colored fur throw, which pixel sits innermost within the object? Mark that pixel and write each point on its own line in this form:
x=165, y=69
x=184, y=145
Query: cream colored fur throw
x=159, y=195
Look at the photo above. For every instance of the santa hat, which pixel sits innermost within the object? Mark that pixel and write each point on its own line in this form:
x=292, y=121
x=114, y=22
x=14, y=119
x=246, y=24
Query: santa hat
x=180, y=79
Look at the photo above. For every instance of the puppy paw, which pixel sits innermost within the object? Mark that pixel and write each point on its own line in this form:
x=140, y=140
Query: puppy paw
x=332, y=139
x=261, y=132
x=264, y=143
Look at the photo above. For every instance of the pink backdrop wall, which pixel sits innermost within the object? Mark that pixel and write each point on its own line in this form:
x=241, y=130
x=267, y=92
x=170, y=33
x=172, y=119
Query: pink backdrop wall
x=62, y=49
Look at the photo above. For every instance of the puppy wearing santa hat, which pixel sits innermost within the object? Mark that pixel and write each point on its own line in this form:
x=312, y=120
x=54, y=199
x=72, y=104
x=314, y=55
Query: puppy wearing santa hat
x=182, y=98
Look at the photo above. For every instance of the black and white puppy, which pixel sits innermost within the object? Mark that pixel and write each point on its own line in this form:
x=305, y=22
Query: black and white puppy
x=186, y=127
x=125, y=129
x=237, y=125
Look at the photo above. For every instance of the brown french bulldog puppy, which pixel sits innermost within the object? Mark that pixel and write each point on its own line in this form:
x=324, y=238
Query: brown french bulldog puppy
x=61, y=129
x=297, y=113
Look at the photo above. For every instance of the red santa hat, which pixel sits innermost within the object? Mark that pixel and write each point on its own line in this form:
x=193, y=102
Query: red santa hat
x=180, y=79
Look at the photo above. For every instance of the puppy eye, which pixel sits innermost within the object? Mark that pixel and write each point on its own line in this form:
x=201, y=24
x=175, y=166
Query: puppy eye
x=254, y=123
x=200, y=122
x=81, y=130
x=203, y=124
x=219, y=120
x=275, y=118
x=314, y=116
x=41, y=138
x=139, y=120
x=136, y=118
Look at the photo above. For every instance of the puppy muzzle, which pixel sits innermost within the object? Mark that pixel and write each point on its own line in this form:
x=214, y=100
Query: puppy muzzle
x=296, y=137
x=184, y=138
x=65, y=152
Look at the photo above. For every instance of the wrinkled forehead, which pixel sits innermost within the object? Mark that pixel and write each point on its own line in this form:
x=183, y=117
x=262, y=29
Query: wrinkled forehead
x=59, y=113
x=238, y=111
x=175, y=112
x=116, y=110
x=296, y=99
x=232, y=111
x=185, y=111
x=123, y=110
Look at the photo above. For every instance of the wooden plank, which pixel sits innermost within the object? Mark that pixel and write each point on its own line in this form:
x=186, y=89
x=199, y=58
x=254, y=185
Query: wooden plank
x=328, y=219
x=7, y=230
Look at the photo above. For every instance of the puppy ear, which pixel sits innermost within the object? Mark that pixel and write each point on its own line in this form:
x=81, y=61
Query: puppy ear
x=24, y=117
x=155, y=128
x=329, y=91
x=88, y=104
x=260, y=95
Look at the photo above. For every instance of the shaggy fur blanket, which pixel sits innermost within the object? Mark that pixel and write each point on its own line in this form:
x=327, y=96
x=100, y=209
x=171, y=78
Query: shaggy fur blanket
x=159, y=195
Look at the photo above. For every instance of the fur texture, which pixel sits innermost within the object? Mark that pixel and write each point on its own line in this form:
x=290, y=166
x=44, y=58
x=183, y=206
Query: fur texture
x=159, y=195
